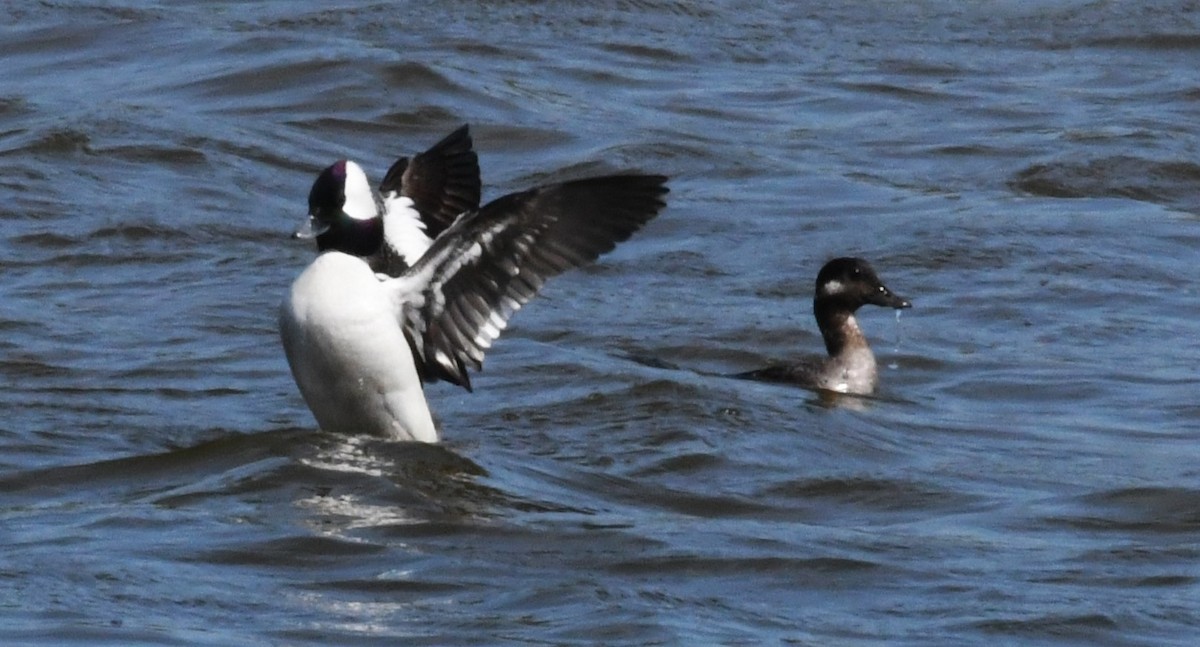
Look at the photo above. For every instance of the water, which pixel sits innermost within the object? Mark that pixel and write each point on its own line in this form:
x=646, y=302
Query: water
x=1026, y=173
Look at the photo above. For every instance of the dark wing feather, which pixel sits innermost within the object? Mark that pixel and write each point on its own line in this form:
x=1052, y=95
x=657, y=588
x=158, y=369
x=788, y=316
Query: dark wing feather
x=492, y=262
x=443, y=182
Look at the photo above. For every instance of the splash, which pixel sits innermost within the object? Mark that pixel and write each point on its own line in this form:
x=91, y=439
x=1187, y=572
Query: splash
x=896, y=344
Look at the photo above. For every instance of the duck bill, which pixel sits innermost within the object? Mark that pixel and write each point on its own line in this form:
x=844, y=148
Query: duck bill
x=887, y=299
x=310, y=229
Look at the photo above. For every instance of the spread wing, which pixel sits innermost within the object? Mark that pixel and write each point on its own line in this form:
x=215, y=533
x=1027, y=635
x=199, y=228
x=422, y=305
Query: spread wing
x=443, y=182
x=459, y=297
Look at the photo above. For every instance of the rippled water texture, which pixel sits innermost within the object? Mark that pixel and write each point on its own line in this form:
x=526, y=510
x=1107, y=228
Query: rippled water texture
x=1027, y=173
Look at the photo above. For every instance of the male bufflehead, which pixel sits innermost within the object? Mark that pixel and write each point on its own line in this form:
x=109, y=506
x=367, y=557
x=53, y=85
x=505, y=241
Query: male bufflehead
x=361, y=344
x=418, y=199
x=843, y=285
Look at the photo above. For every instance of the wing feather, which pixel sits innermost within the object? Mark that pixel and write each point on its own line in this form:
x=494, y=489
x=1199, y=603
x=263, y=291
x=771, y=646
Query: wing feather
x=443, y=182
x=491, y=262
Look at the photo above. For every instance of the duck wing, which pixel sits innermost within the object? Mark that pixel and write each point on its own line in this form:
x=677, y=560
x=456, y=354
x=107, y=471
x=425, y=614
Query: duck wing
x=457, y=299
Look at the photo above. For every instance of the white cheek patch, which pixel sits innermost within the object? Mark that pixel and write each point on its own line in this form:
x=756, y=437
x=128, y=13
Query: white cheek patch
x=360, y=204
x=833, y=287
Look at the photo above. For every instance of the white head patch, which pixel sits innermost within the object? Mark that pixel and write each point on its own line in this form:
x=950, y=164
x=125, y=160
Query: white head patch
x=360, y=202
x=832, y=287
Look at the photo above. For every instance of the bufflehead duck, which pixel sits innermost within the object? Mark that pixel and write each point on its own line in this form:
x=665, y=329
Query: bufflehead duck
x=418, y=199
x=843, y=285
x=361, y=344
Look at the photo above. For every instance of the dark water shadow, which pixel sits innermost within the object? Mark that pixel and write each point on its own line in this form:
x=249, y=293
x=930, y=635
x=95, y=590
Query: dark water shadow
x=140, y=475
x=1172, y=184
x=285, y=466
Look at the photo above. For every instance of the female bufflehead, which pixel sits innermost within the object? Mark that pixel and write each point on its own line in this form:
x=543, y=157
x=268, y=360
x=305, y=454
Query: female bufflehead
x=361, y=344
x=843, y=285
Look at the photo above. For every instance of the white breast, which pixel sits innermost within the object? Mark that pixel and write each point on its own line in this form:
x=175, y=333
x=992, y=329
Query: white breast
x=348, y=354
x=853, y=371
